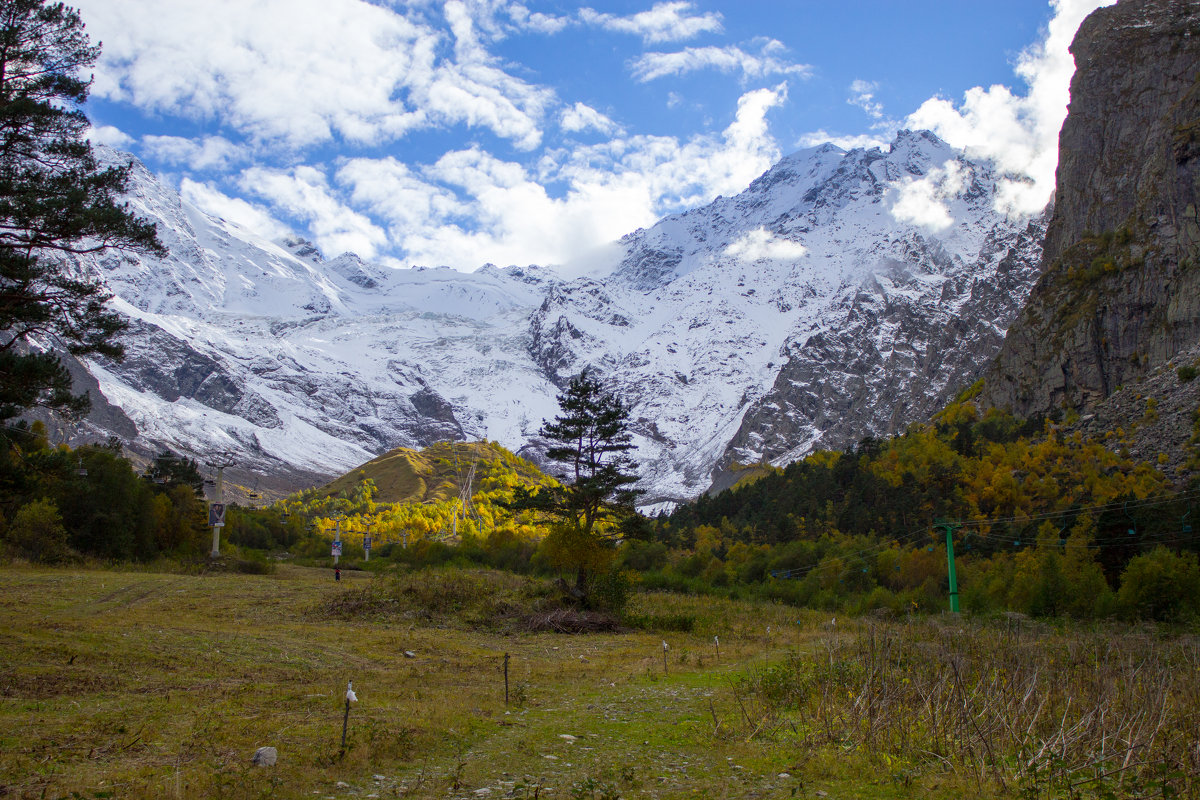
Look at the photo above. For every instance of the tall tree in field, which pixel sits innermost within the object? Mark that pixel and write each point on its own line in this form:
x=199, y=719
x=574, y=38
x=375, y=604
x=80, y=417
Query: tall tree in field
x=56, y=202
x=592, y=440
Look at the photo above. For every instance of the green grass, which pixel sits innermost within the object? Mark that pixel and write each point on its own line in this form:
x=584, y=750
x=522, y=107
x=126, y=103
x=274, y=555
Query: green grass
x=136, y=684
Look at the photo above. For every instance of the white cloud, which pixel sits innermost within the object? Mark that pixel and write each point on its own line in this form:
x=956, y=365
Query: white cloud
x=109, y=135
x=304, y=193
x=211, y=152
x=651, y=66
x=303, y=72
x=581, y=117
x=664, y=22
x=525, y=19
x=760, y=244
x=822, y=136
x=389, y=189
x=923, y=201
x=470, y=207
x=862, y=94
x=251, y=216
x=1019, y=132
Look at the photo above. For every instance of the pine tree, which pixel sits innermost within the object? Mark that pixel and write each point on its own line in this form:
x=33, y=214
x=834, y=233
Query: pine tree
x=594, y=441
x=56, y=202
x=591, y=437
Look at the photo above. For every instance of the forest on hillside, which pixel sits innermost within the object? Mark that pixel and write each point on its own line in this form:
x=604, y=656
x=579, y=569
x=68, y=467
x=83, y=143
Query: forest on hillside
x=1042, y=522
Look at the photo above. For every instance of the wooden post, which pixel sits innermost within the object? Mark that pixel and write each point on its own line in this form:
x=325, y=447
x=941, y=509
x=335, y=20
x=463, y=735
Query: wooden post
x=717, y=647
x=350, y=698
x=345, y=724
x=664, y=657
x=506, y=679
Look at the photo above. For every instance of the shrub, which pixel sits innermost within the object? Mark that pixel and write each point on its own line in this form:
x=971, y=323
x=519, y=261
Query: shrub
x=1161, y=585
x=37, y=533
x=1186, y=373
x=610, y=591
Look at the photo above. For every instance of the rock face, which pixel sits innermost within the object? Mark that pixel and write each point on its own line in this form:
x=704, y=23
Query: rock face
x=1119, y=297
x=884, y=357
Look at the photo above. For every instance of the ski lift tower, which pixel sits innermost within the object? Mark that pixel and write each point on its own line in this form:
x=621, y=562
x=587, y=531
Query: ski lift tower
x=216, y=510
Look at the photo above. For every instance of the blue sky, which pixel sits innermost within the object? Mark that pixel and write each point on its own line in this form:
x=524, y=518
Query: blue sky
x=474, y=131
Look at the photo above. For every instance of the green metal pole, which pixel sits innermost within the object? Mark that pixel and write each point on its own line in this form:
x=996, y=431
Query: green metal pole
x=950, y=528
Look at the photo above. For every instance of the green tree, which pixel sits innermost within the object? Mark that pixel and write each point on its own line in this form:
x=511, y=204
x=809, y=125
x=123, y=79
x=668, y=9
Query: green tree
x=169, y=470
x=37, y=533
x=56, y=202
x=591, y=439
x=1161, y=585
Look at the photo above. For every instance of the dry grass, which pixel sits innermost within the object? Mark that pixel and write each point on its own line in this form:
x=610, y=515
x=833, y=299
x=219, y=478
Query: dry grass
x=145, y=685
x=1009, y=704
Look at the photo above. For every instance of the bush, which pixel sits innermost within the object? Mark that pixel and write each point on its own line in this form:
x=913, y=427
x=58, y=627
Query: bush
x=1160, y=585
x=1186, y=373
x=37, y=533
x=610, y=591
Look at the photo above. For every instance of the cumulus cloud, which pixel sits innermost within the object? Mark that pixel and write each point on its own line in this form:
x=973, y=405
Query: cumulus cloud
x=524, y=19
x=470, y=207
x=862, y=94
x=1019, y=132
x=822, y=136
x=251, y=216
x=109, y=135
x=210, y=152
x=304, y=72
x=581, y=117
x=390, y=189
x=664, y=22
x=923, y=201
x=767, y=62
x=305, y=194
x=760, y=244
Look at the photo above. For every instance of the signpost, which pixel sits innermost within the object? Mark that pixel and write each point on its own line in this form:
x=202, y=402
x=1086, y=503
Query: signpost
x=337, y=543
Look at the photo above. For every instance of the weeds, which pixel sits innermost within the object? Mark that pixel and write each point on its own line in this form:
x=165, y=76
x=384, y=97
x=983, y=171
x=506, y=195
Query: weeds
x=1099, y=714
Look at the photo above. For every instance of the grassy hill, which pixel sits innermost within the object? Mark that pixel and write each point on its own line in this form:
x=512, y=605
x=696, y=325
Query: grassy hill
x=412, y=495
x=436, y=473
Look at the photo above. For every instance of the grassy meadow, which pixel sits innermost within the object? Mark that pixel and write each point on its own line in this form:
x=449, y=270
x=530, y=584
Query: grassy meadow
x=132, y=684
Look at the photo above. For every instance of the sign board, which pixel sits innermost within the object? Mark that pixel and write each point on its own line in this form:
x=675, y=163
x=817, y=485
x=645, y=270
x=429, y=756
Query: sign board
x=216, y=515
x=366, y=543
x=337, y=549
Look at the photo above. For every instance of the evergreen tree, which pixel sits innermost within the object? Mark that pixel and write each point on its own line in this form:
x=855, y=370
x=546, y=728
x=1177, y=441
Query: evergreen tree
x=591, y=438
x=56, y=202
x=169, y=470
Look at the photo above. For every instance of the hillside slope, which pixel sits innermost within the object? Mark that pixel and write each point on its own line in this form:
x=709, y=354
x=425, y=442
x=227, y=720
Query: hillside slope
x=436, y=473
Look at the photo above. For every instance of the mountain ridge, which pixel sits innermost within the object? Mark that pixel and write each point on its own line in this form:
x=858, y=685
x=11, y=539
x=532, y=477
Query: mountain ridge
x=309, y=366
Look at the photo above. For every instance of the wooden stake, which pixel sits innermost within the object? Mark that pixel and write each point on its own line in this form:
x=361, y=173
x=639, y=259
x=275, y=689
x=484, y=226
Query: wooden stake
x=506, y=679
x=345, y=723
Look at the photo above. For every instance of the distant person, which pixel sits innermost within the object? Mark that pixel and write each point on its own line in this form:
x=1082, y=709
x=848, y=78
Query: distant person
x=337, y=573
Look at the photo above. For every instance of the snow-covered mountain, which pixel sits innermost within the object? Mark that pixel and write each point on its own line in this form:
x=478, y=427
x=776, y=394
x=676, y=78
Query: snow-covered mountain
x=799, y=313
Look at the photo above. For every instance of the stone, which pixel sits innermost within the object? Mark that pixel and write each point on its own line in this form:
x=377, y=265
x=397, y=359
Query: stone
x=265, y=757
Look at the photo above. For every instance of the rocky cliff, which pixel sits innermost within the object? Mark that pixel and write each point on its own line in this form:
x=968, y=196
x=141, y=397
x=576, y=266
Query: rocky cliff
x=1117, y=306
